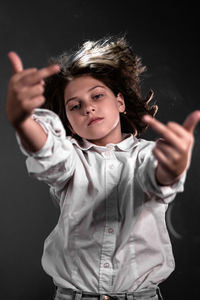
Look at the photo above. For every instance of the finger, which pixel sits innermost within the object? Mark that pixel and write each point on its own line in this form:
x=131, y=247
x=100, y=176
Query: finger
x=16, y=62
x=33, y=103
x=18, y=78
x=191, y=121
x=161, y=129
x=154, y=124
x=161, y=157
x=38, y=101
x=165, y=163
x=31, y=92
x=178, y=129
x=40, y=75
x=170, y=152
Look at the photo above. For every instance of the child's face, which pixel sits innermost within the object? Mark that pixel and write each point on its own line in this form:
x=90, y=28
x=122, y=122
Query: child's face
x=93, y=110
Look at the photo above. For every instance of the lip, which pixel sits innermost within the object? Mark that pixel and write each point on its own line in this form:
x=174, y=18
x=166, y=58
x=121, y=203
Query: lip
x=94, y=121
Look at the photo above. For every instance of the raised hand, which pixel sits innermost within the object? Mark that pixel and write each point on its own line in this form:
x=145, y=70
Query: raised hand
x=173, y=151
x=25, y=89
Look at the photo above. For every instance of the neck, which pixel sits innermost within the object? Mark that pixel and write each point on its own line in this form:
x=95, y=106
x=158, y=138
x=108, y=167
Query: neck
x=114, y=139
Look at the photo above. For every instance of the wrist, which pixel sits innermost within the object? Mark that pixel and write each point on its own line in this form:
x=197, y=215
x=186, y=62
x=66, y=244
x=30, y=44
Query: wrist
x=31, y=134
x=22, y=125
x=163, y=178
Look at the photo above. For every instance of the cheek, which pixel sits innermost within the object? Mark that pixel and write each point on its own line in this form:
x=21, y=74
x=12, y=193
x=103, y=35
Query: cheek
x=113, y=113
x=70, y=119
x=73, y=120
x=115, y=121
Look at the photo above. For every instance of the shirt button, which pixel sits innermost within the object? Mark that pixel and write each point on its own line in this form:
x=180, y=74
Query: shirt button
x=111, y=166
x=107, y=153
x=106, y=265
x=110, y=147
x=110, y=230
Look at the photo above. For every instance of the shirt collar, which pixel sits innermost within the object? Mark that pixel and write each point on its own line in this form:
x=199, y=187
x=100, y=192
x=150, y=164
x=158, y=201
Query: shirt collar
x=129, y=141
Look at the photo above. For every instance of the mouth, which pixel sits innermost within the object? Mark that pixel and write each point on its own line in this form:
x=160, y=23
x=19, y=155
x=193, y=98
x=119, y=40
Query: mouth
x=94, y=121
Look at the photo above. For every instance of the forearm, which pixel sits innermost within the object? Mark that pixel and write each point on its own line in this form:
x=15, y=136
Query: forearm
x=32, y=135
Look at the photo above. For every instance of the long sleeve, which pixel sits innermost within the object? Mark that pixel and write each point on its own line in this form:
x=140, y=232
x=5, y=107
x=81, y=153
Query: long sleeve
x=55, y=162
x=147, y=180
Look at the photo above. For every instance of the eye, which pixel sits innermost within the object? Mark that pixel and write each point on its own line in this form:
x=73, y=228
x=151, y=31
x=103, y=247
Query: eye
x=98, y=96
x=75, y=107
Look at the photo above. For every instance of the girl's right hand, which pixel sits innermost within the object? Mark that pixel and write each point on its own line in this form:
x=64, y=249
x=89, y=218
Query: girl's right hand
x=25, y=90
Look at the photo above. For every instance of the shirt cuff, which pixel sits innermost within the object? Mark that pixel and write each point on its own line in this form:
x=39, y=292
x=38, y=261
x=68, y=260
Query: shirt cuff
x=45, y=151
x=53, y=127
x=168, y=191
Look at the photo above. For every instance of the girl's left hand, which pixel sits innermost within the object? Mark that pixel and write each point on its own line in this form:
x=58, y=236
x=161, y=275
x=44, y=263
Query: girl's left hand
x=173, y=151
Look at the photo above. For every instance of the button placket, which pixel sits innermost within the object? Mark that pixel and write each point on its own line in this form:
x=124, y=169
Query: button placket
x=106, y=265
x=108, y=151
x=109, y=240
x=110, y=230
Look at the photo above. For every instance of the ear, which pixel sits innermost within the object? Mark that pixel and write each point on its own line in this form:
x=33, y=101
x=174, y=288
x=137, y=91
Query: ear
x=121, y=102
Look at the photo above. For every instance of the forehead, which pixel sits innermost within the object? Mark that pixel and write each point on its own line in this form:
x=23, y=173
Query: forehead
x=81, y=84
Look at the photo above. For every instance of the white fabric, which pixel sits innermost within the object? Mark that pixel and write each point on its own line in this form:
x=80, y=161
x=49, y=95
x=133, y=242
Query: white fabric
x=111, y=234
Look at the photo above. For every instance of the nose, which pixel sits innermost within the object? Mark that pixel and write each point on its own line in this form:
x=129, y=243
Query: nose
x=89, y=109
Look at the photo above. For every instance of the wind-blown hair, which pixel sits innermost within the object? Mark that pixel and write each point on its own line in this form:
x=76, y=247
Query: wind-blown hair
x=111, y=61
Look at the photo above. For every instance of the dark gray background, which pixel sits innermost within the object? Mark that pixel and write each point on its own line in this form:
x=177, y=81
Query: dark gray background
x=165, y=34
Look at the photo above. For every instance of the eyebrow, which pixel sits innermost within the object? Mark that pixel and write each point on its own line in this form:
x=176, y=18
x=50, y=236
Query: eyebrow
x=74, y=98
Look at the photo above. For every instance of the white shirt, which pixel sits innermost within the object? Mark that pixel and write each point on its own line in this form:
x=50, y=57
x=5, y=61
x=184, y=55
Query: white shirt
x=111, y=235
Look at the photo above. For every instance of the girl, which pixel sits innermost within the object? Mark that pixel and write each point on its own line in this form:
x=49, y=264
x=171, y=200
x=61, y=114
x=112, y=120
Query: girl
x=113, y=187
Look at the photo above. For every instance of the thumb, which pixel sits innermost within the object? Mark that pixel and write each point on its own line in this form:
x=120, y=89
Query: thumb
x=16, y=62
x=191, y=121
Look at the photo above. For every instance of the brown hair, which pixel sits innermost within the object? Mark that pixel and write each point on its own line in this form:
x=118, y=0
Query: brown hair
x=112, y=61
